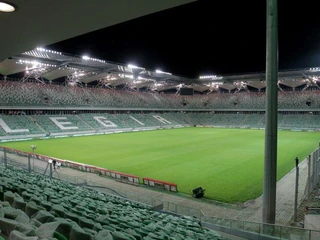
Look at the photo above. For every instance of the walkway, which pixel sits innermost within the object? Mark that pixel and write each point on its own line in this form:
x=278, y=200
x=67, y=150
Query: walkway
x=285, y=197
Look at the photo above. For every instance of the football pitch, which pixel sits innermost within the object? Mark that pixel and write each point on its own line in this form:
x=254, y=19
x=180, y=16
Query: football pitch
x=228, y=163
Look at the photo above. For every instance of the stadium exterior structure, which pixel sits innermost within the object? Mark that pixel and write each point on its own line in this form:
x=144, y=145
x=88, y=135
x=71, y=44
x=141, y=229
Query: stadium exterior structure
x=48, y=66
x=47, y=82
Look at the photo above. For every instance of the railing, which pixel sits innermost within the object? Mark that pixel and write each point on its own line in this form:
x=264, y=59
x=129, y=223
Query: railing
x=248, y=229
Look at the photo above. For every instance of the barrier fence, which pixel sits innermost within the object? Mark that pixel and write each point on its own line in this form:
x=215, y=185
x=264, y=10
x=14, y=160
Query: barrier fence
x=39, y=163
x=251, y=230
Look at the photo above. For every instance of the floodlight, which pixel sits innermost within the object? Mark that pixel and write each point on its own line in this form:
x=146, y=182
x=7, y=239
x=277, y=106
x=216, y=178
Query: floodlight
x=159, y=71
x=128, y=76
x=134, y=66
x=7, y=7
x=85, y=57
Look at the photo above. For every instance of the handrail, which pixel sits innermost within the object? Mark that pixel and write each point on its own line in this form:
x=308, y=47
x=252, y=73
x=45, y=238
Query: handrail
x=274, y=230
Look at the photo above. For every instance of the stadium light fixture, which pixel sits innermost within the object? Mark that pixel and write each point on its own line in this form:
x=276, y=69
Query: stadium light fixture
x=214, y=84
x=85, y=57
x=48, y=51
x=159, y=71
x=213, y=77
x=128, y=76
x=134, y=66
x=35, y=63
x=7, y=7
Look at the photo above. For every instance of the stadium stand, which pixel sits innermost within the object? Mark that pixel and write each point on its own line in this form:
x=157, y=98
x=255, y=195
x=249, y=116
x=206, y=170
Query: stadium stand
x=15, y=122
x=37, y=94
x=16, y=125
x=75, y=123
x=33, y=207
x=128, y=109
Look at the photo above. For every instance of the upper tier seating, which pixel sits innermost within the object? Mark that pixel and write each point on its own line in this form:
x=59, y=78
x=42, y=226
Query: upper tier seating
x=35, y=94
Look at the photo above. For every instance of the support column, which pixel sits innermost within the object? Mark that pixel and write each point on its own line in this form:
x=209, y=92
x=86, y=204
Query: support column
x=5, y=157
x=29, y=164
x=50, y=170
x=270, y=157
x=296, y=191
x=309, y=175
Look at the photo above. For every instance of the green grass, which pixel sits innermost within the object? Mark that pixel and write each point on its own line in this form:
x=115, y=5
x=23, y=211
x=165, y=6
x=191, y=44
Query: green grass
x=228, y=163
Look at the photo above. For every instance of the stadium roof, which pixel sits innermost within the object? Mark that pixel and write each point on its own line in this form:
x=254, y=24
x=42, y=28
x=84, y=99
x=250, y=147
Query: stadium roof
x=43, y=22
x=43, y=64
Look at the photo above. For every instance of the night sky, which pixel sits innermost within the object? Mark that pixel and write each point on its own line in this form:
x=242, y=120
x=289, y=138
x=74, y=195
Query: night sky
x=207, y=37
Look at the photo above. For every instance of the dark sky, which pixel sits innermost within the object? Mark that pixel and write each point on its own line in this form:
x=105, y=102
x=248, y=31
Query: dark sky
x=207, y=37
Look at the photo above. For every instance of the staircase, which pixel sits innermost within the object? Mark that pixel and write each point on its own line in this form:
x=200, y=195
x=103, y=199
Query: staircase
x=258, y=123
x=37, y=124
x=84, y=122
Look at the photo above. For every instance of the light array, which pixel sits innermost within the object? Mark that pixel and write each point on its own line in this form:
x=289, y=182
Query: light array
x=35, y=63
x=145, y=79
x=111, y=77
x=48, y=51
x=218, y=83
x=215, y=84
x=67, y=67
x=240, y=83
x=93, y=59
x=213, y=77
x=314, y=79
x=78, y=74
x=125, y=76
x=159, y=71
x=315, y=69
x=135, y=67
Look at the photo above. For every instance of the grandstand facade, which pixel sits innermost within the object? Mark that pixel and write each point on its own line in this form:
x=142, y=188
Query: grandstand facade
x=47, y=92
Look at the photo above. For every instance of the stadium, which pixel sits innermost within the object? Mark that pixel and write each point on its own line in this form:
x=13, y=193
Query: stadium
x=94, y=149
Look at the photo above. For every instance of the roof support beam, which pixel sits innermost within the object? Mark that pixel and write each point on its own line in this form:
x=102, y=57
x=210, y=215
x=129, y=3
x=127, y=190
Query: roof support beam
x=271, y=137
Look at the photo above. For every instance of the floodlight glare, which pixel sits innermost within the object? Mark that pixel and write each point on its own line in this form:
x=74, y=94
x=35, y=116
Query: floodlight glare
x=128, y=76
x=7, y=7
x=134, y=66
x=85, y=57
x=159, y=71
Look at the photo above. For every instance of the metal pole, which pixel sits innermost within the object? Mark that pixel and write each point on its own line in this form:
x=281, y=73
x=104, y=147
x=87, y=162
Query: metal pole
x=309, y=175
x=50, y=170
x=29, y=164
x=296, y=190
x=5, y=157
x=33, y=158
x=270, y=157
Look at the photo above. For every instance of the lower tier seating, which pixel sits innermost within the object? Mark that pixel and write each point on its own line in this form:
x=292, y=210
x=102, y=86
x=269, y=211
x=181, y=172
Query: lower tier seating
x=33, y=207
